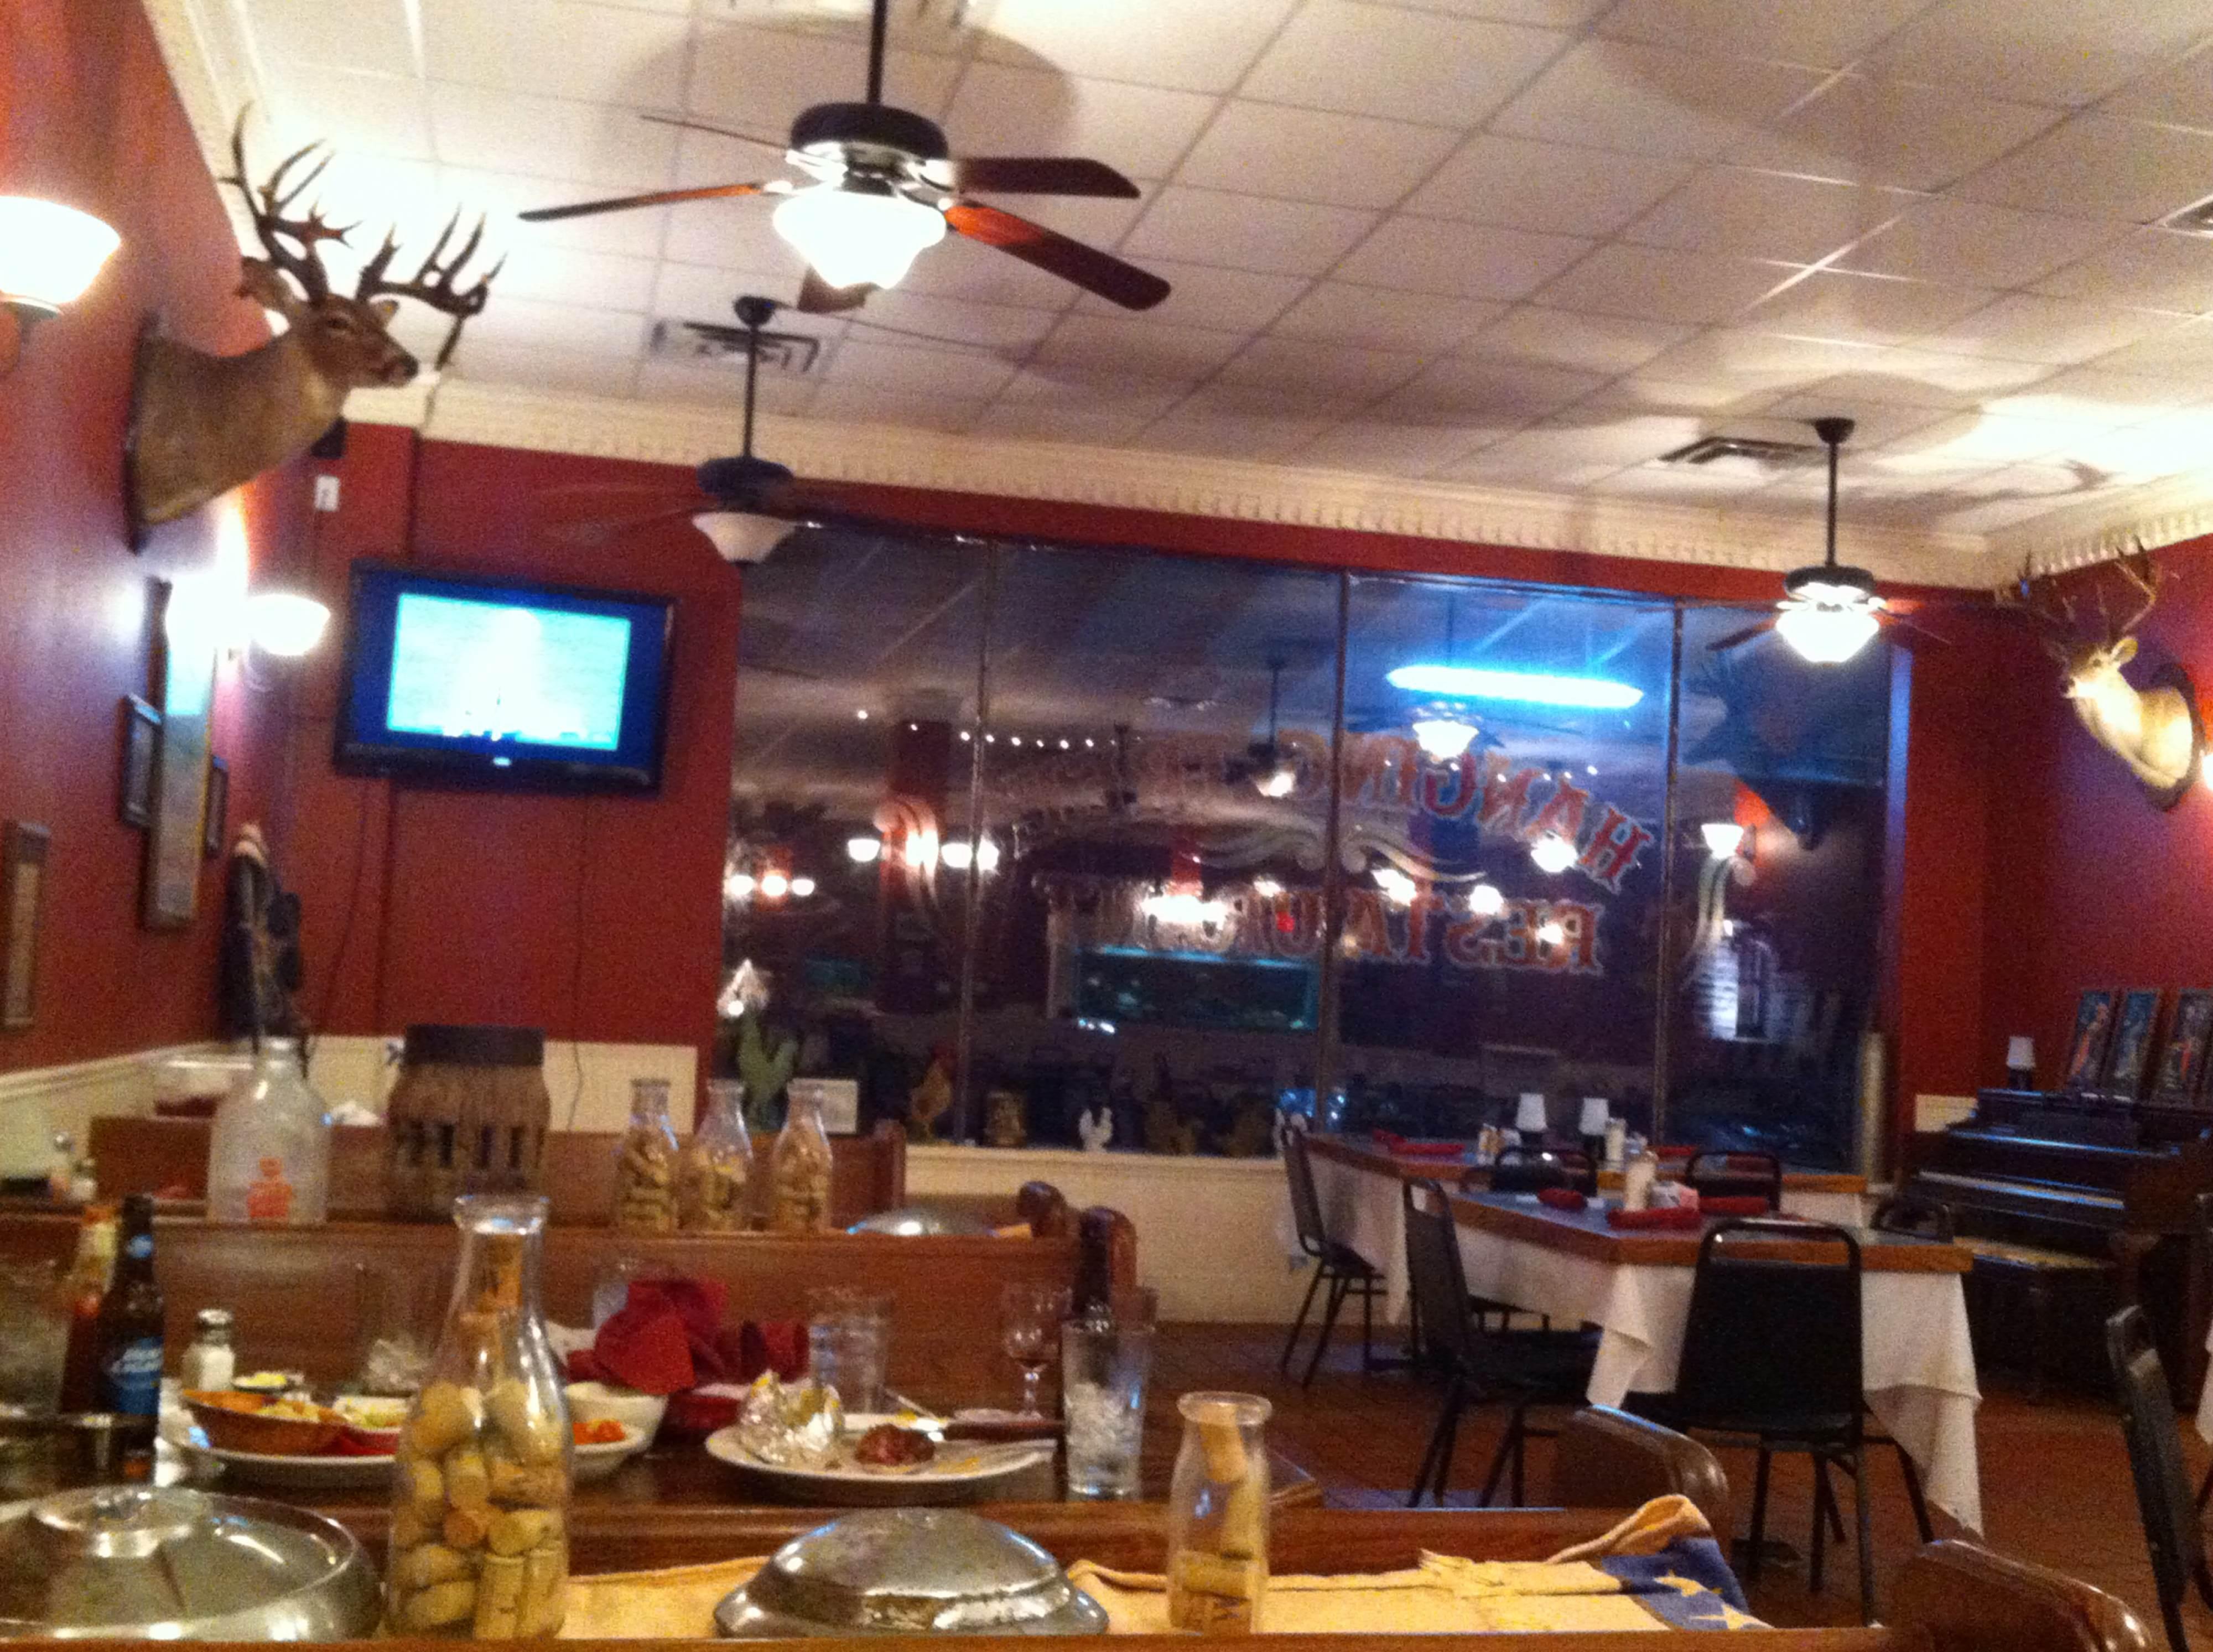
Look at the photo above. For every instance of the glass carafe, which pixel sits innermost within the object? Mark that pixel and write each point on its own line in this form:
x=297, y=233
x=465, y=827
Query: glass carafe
x=1218, y=1516
x=714, y=1174
x=645, y=1163
x=480, y=1494
x=269, y=1150
x=799, y=1168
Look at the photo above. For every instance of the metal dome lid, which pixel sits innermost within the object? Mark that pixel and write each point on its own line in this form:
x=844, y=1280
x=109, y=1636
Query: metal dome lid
x=910, y=1571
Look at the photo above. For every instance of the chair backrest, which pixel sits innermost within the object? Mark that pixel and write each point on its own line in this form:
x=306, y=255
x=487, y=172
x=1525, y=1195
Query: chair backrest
x=1531, y=1170
x=1438, y=1281
x=1746, y=1174
x=1306, y=1204
x=1917, y=1218
x=2172, y=1528
x=1774, y=1337
x=1965, y=1599
x=1608, y=1459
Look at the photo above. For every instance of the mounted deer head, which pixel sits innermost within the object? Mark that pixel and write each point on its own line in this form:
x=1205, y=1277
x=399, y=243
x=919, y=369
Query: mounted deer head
x=2155, y=731
x=201, y=424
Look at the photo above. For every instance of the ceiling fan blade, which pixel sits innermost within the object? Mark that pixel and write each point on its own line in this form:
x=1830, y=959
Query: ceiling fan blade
x=658, y=197
x=1036, y=175
x=690, y=126
x=818, y=297
x=1071, y=260
x=1738, y=639
x=1894, y=618
x=592, y=535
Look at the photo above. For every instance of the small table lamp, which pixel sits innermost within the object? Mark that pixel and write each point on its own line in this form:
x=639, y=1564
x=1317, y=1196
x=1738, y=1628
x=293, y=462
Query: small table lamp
x=1529, y=1116
x=1592, y=1127
x=2020, y=1061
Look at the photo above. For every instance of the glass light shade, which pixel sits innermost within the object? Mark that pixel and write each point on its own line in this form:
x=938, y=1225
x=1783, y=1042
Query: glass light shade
x=1397, y=889
x=1826, y=636
x=851, y=235
x=740, y=536
x=1442, y=739
x=1723, y=839
x=863, y=850
x=1529, y=1111
x=956, y=854
x=49, y=253
x=286, y=623
x=1486, y=900
x=775, y=885
x=2020, y=1053
x=802, y=887
x=1595, y=1116
x=1279, y=782
x=739, y=886
x=1552, y=853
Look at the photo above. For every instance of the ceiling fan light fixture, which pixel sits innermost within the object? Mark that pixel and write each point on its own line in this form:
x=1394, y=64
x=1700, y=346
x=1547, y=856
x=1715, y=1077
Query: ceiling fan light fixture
x=859, y=231
x=1441, y=736
x=741, y=537
x=1827, y=634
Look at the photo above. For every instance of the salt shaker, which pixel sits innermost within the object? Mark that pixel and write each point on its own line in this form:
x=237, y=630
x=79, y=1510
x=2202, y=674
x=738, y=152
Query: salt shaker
x=1637, y=1179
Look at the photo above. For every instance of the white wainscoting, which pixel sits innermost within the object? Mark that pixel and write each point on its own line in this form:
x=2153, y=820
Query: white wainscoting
x=1210, y=1232
x=38, y=1101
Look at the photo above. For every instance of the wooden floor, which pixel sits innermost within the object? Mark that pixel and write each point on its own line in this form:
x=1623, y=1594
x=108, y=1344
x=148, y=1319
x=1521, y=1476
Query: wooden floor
x=2055, y=1474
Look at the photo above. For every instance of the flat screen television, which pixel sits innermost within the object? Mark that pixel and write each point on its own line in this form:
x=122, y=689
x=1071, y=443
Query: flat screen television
x=500, y=683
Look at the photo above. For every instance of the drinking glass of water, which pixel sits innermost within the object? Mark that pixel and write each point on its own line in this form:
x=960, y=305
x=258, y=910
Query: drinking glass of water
x=848, y=1337
x=1105, y=1362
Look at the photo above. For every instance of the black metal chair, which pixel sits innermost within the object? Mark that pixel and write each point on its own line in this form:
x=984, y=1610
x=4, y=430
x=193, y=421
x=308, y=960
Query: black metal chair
x=1343, y=1269
x=1532, y=1170
x=1916, y=1218
x=1525, y=1370
x=2172, y=1530
x=1748, y=1174
x=1772, y=1353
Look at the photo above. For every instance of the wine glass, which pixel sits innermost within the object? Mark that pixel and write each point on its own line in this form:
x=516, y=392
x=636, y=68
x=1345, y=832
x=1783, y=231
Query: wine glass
x=1029, y=1331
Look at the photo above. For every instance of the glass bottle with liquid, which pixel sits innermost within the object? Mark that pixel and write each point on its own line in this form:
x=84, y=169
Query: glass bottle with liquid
x=130, y=1340
x=269, y=1151
x=82, y=1290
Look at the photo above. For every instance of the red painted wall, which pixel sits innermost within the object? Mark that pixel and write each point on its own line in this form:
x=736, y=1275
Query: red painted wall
x=87, y=117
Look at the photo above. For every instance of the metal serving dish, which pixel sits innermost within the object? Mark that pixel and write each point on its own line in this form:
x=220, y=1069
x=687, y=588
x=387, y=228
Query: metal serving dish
x=133, y=1562
x=909, y=1571
x=920, y=1221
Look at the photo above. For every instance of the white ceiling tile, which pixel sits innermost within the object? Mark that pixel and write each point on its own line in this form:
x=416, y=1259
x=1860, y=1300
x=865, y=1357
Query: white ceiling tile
x=758, y=79
x=1596, y=344
x=377, y=193
x=2178, y=95
x=1537, y=13
x=562, y=372
x=524, y=322
x=885, y=364
x=1352, y=314
x=1652, y=101
x=722, y=384
x=1520, y=461
x=1862, y=308
x=501, y=195
x=1388, y=61
x=1874, y=422
x=1202, y=296
x=1656, y=481
x=1140, y=131
x=2099, y=396
x=1330, y=374
x=912, y=318
x=2173, y=446
x=559, y=48
x=1558, y=187
x=1767, y=215
x=1086, y=426
x=567, y=276
x=373, y=36
x=737, y=235
x=1816, y=31
x=1388, y=449
x=1246, y=232
x=2184, y=352
x=1313, y=154
x=1458, y=387
x=858, y=404
x=1232, y=435
x=2094, y=168
x=1975, y=244
x=1967, y=439
x=1050, y=384
x=1612, y=438
x=2022, y=327
x=1200, y=46
x=1736, y=355
x=1460, y=260
x=549, y=137
x=700, y=292
x=1133, y=349
x=354, y=112
x=1992, y=514
x=1659, y=284
x=1649, y=393
x=2058, y=52
x=1887, y=132
x=1928, y=378
x=2150, y=269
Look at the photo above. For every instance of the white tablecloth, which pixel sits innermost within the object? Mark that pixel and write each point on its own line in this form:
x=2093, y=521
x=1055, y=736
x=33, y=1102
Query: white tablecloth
x=1920, y=1366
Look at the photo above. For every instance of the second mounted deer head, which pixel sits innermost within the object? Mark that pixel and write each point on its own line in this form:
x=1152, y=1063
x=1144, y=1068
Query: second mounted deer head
x=201, y=424
x=2154, y=730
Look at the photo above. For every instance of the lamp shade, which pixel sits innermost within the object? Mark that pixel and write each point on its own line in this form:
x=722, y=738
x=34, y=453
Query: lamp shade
x=853, y=233
x=1596, y=1115
x=1443, y=738
x=49, y=253
x=1529, y=1113
x=1826, y=635
x=286, y=623
x=1723, y=839
x=2020, y=1053
x=740, y=536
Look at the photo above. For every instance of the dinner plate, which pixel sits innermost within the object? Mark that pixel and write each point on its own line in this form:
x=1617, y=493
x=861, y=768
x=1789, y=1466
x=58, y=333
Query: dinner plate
x=305, y=1473
x=962, y=1471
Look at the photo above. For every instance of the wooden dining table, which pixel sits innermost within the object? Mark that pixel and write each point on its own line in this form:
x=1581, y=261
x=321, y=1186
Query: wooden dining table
x=1576, y=1268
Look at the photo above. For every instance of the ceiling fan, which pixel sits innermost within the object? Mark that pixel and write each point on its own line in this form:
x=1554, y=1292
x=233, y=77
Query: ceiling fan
x=882, y=186
x=745, y=505
x=1829, y=611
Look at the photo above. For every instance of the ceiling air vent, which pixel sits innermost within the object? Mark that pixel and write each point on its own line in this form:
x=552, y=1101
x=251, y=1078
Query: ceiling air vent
x=1706, y=449
x=789, y=353
x=2196, y=219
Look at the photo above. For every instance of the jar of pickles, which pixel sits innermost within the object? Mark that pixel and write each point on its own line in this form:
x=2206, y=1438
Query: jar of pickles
x=799, y=1167
x=714, y=1174
x=480, y=1490
x=645, y=1163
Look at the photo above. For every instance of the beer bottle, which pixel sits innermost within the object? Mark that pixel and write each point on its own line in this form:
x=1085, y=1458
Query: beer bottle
x=130, y=1339
x=82, y=1290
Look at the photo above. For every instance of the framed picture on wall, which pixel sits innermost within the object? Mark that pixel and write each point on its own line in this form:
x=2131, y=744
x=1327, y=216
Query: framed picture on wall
x=2133, y=1026
x=186, y=673
x=218, y=808
x=22, y=891
x=2182, y=1061
x=2094, y=1032
x=134, y=788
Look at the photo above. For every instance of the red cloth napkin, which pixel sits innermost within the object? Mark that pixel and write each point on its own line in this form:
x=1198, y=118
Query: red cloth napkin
x=1734, y=1204
x=1399, y=1147
x=1668, y=1218
x=1561, y=1198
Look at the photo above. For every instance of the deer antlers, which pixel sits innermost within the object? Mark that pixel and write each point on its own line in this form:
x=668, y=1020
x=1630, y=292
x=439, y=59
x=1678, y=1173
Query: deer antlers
x=267, y=204
x=435, y=283
x=2054, y=616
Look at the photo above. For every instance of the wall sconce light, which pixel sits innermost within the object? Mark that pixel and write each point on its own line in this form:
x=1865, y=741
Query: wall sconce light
x=285, y=625
x=1724, y=838
x=49, y=254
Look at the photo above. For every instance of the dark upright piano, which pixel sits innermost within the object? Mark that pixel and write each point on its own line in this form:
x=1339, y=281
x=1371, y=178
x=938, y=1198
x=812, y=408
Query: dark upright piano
x=2090, y=1176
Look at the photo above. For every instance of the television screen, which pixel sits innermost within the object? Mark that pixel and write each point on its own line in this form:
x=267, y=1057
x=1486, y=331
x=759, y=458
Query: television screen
x=496, y=683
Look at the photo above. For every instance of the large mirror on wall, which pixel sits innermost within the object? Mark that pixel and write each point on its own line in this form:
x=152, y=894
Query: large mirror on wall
x=1063, y=847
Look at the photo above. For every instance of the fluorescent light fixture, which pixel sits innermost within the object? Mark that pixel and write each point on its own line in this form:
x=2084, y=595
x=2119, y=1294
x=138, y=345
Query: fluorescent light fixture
x=285, y=623
x=1522, y=687
x=1723, y=839
x=858, y=231
x=864, y=849
x=1552, y=853
x=1827, y=635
